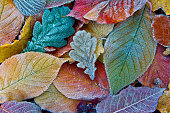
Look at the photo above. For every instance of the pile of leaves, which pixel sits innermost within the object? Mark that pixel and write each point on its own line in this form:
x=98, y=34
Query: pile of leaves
x=84, y=56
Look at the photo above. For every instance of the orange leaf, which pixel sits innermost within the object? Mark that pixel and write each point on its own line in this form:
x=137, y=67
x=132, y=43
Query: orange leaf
x=161, y=26
x=105, y=11
x=158, y=72
x=10, y=21
x=56, y=102
x=73, y=83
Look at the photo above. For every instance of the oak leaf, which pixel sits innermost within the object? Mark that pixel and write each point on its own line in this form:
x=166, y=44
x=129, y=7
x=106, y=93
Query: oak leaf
x=27, y=75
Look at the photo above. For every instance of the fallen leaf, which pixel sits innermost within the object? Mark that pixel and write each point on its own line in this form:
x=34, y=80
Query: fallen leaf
x=73, y=83
x=10, y=22
x=129, y=50
x=165, y=4
x=54, y=101
x=158, y=72
x=161, y=29
x=84, y=52
x=27, y=75
x=105, y=11
x=56, y=3
x=164, y=102
x=19, y=107
x=131, y=100
x=167, y=51
x=55, y=27
x=7, y=50
x=30, y=7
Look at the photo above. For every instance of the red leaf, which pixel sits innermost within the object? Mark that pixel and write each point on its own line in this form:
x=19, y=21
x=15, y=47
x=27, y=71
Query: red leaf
x=158, y=72
x=19, y=107
x=131, y=100
x=161, y=26
x=73, y=83
x=105, y=11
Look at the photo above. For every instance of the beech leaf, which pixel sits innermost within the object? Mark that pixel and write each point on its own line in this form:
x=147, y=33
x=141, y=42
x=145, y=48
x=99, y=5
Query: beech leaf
x=131, y=100
x=10, y=21
x=161, y=29
x=27, y=75
x=30, y=7
x=54, y=101
x=158, y=72
x=129, y=50
x=84, y=52
x=55, y=3
x=105, y=11
x=73, y=83
x=55, y=27
x=19, y=107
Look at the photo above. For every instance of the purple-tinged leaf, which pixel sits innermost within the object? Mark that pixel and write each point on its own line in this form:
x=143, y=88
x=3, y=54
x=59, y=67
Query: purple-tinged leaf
x=19, y=107
x=131, y=100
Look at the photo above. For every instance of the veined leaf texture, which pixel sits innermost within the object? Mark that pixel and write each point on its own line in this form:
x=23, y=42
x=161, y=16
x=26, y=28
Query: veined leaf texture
x=129, y=50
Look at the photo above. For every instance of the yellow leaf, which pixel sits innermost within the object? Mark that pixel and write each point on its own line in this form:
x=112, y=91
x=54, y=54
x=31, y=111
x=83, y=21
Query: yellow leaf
x=167, y=51
x=100, y=31
x=27, y=75
x=165, y=4
x=7, y=50
x=56, y=102
x=11, y=21
x=164, y=102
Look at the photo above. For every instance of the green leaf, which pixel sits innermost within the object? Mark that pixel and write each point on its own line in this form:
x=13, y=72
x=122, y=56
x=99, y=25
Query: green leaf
x=30, y=7
x=55, y=27
x=129, y=50
x=84, y=52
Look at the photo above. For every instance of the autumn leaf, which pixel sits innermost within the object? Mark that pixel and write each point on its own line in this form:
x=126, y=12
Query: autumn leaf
x=56, y=3
x=163, y=102
x=158, y=72
x=129, y=50
x=55, y=27
x=27, y=75
x=105, y=11
x=30, y=7
x=161, y=29
x=19, y=107
x=73, y=83
x=167, y=51
x=10, y=21
x=7, y=50
x=165, y=4
x=54, y=101
x=132, y=100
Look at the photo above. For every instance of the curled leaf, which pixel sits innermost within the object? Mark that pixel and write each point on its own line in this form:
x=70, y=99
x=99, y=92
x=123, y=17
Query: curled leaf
x=27, y=75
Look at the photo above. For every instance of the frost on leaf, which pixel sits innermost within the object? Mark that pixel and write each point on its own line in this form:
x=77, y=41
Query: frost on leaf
x=84, y=52
x=56, y=26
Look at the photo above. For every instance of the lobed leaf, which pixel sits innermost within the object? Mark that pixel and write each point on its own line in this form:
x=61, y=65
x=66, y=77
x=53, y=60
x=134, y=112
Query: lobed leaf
x=132, y=100
x=27, y=75
x=56, y=26
x=129, y=50
x=84, y=52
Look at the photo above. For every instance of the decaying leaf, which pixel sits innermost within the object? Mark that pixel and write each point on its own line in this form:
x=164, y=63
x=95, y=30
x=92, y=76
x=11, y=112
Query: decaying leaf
x=83, y=51
x=158, y=72
x=167, y=51
x=55, y=27
x=27, y=75
x=164, y=102
x=131, y=100
x=129, y=50
x=54, y=101
x=19, y=107
x=165, y=4
x=55, y=3
x=10, y=21
x=30, y=7
x=105, y=11
x=7, y=50
x=161, y=29
x=73, y=83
